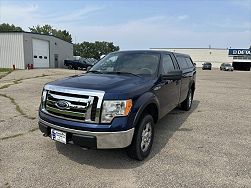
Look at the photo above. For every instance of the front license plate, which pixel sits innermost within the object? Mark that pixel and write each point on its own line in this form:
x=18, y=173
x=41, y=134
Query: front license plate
x=58, y=136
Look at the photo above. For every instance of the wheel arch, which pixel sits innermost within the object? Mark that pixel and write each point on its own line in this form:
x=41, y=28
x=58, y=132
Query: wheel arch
x=150, y=106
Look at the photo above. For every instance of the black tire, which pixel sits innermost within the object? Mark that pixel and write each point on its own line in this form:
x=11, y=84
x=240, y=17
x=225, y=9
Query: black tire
x=69, y=67
x=135, y=150
x=187, y=103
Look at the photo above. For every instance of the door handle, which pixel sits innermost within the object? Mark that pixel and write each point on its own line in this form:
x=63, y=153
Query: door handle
x=157, y=87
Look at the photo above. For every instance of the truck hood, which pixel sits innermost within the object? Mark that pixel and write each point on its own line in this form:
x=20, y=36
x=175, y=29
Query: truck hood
x=123, y=86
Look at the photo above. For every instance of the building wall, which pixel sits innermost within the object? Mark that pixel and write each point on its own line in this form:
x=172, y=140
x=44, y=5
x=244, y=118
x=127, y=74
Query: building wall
x=11, y=50
x=63, y=49
x=216, y=56
x=57, y=46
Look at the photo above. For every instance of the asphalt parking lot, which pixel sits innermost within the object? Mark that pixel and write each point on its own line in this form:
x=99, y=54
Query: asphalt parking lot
x=209, y=146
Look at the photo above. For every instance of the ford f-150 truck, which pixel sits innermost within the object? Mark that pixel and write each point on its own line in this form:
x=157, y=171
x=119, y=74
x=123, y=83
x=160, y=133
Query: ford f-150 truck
x=118, y=101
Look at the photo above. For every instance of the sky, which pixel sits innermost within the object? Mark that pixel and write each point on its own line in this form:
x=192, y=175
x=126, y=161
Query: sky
x=140, y=24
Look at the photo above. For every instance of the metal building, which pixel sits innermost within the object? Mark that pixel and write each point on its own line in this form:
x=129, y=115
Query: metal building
x=42, y=51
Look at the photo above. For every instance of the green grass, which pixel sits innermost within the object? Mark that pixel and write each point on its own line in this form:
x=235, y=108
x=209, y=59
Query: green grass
x=19, y=81
x=12, y=136
x=6, y=86
x=34, y=129
x=18, y=109
x=5, y=70
x=19, y=134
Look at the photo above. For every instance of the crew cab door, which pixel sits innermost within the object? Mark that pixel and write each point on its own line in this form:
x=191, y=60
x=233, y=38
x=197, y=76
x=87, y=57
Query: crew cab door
x=187, y=67
x=167, y=91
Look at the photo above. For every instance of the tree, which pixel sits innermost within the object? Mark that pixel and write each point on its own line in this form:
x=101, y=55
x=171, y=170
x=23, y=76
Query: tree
x=63, y=34
x=46, y=29
x=49, y=30
x=5, y=27
x=94, y=50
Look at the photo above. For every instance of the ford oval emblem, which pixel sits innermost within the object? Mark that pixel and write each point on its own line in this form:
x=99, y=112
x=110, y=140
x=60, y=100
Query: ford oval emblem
x=62, y=104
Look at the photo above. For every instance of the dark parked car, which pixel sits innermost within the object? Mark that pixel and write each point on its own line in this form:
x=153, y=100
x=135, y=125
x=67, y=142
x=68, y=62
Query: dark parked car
x=226, y=67
x=82, y=63
x=118, y=101
x=206, y=66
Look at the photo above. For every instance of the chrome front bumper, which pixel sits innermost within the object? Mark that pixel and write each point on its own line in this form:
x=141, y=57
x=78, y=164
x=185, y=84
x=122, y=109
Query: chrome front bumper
x=105, y=140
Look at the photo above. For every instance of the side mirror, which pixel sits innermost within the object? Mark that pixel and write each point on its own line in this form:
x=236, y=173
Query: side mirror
x=88, y=68
x=173, y=75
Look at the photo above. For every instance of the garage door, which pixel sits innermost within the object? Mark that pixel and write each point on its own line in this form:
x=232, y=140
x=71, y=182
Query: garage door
x=40, y=53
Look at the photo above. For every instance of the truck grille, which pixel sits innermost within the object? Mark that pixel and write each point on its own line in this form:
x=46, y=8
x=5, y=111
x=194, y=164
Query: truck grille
x=73, y=105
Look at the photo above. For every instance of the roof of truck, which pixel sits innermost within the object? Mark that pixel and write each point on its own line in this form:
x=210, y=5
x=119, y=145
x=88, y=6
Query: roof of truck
x=158, y=51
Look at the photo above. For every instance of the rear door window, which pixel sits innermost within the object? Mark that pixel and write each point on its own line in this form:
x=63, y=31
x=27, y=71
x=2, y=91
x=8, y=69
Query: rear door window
x=189, y=62
x=182, y=62
x=167, y=65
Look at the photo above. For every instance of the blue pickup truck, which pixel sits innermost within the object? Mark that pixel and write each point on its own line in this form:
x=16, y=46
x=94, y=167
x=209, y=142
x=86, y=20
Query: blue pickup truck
x=118, y=101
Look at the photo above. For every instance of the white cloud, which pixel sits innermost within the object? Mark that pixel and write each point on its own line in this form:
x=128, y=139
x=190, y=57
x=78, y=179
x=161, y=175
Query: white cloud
x=14, y=10
x=15, y=13
x=242, y=3
x=183, y=17
x=73, y=16
x=28, y=15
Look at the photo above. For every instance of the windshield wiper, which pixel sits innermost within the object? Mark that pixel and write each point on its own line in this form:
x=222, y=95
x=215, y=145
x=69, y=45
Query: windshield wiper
x=95, y=71
x=119, y=72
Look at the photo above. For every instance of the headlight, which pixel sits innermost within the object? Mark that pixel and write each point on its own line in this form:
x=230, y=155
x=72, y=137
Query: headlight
x=113, y=108
x=43, y=98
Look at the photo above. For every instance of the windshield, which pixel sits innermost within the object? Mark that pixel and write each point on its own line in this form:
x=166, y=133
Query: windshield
x=207, y=64
x=227, y=65
x=137, y=63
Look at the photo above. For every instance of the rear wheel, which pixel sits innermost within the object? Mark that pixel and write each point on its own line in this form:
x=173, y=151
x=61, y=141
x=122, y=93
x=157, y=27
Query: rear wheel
x=187, y=103
x=69, y=67
x=142, y=139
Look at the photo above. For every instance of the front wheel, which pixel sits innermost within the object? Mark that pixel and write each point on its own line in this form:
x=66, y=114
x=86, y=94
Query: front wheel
x=142, y=139
x=187, y=103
